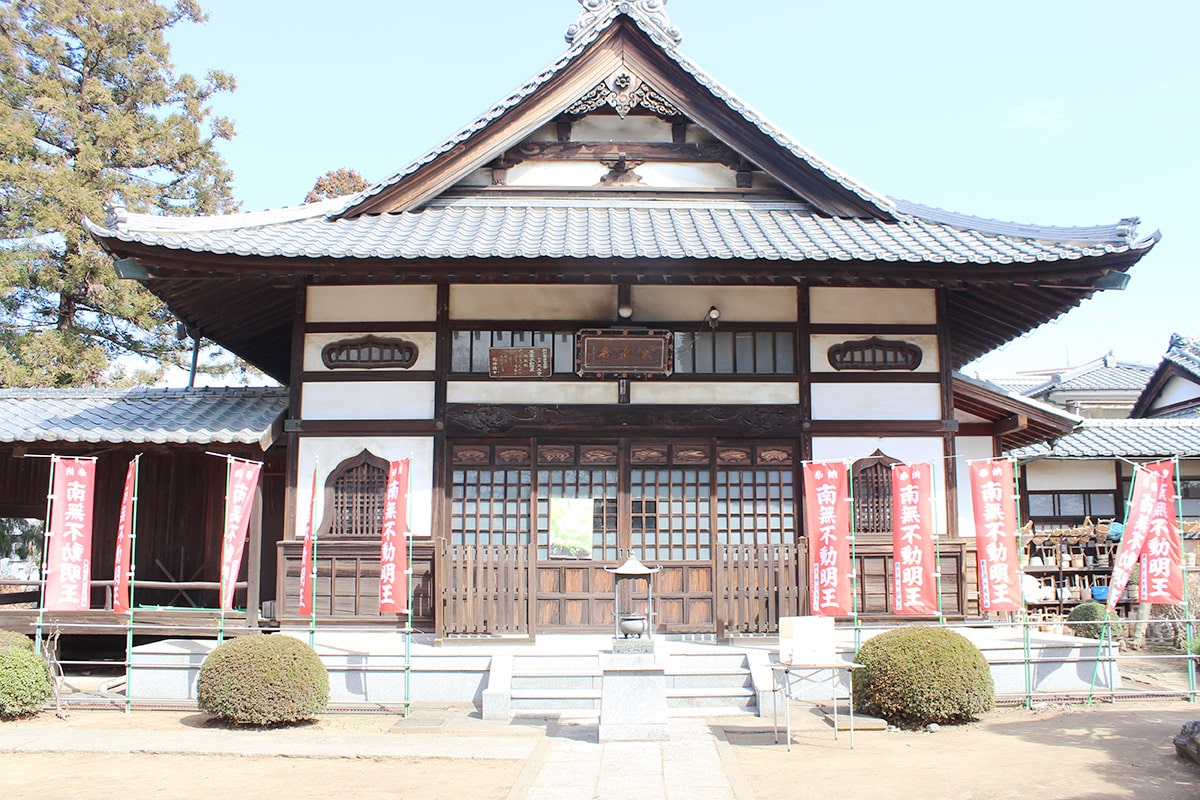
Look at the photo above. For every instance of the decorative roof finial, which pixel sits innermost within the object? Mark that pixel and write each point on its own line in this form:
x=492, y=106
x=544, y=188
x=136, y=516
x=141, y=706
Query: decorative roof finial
x=652, y=12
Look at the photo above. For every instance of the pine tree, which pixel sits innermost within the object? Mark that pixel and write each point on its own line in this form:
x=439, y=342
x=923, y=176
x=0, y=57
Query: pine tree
x=91, y=114
x=336, y=183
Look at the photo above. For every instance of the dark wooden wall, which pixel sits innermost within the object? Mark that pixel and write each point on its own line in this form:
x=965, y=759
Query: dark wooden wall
x=180, y=512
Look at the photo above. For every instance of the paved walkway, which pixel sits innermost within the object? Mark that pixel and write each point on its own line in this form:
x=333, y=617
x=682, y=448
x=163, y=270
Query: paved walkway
x=562, y=758
x=694, y=764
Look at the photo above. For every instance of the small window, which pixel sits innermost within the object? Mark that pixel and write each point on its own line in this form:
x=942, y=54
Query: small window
x=873, y=495
x=354, y=498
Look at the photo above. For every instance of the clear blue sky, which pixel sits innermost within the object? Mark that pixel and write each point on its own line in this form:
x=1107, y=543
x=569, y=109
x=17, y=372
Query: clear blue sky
x=1067, y=112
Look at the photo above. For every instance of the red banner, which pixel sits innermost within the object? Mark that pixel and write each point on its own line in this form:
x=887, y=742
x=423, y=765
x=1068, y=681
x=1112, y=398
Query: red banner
x=308, y=569
x=827, y=511
x=239, y=500
x=995, y=503
x=1151, y=518
x=393, y=554
x=121, y=572
x=69, y=555
x=914, y=559
x=1162, y=554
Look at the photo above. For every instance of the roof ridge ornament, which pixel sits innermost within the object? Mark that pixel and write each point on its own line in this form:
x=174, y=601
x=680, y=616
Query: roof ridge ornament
x=651, y=12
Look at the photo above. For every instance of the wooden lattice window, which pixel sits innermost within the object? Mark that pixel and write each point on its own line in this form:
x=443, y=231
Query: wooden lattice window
x=875, y=354
x=873, y=495
x=369, y=352
x=354, y=498
x=490, y=494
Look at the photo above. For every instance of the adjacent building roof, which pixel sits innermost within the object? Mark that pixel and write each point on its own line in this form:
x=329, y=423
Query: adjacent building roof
x=231, y=415
x=1181, y=360
x=1099, y=375
x=1018, y=421
x=1121, y=438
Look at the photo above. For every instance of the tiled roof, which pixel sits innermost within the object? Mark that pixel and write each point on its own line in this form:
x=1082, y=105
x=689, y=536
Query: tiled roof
x=1182, y=360
x=579, y=43
x=1019, y=384
x=1120, y=376
x=1126, y=438
x=615, y=226
x=1101, y=375
x=232, y=415
x=1184, y=351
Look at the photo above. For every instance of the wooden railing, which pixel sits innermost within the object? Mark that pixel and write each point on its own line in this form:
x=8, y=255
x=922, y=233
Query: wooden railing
x=486, y=589
x=874, y=584
x=348, y=581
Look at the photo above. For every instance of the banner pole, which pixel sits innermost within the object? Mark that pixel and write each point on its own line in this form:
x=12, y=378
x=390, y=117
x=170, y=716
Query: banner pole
x=1189, y=625
x=937, y=541
x=137, y=469
x=1105, y=635
x=408, y=626
x=408, y=591
x=224, y=546
x=853, y=559
x=1023, y=614
x=46, y=534
x=312, y=566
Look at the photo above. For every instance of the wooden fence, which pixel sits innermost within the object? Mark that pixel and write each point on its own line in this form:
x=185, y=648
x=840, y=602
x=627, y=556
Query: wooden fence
x=486, y=590
x=756, y=585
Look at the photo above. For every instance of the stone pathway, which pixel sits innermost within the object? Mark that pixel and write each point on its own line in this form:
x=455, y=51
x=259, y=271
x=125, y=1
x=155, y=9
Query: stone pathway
x=694, y=764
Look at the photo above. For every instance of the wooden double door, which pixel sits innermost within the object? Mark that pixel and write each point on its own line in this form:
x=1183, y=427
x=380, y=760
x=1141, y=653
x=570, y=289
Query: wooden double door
x=717, y=516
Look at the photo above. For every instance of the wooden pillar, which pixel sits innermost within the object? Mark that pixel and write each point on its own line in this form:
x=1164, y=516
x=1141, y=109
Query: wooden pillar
x=439, y=533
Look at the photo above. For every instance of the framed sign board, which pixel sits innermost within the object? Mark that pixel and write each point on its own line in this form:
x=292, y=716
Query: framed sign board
x=520, y=362
x=624, y=354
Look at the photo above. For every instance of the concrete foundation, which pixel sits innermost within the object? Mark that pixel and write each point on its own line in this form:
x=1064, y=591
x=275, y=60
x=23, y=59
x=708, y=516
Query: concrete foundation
x=633, y=697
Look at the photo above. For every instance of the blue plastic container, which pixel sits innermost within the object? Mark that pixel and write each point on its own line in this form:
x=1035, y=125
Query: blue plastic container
x=1100, y=593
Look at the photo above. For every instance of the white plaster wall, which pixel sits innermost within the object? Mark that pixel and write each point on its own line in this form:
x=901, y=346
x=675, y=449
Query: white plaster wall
x=480, y=177
x=970, y=448
x=611, y=128
x=539, y=392
x=821, y=342
x=425, y=342
x=1068, y=475
x=1176, y=390
x=687, y=176
x=908, y=449
x=532, y=302
x=324, y=454
x=372, y=303
x=693, y=393
x=736, y=303
x=556, y=173
x=963, y=416
x=893, y=401
x=367, y=400
x=883, y=306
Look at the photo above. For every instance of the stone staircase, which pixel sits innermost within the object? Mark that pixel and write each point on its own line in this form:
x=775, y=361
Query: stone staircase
x=568, y=685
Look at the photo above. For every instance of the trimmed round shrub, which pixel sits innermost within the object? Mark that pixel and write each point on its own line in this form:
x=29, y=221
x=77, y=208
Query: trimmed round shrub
x=1087, y=619
x=263, y=680
x=24, y=682
x=913, y=676
x=14, y=639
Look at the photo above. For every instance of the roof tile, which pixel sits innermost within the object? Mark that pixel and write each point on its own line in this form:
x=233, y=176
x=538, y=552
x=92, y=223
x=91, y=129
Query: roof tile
x=1122, y=438
x=230, y=415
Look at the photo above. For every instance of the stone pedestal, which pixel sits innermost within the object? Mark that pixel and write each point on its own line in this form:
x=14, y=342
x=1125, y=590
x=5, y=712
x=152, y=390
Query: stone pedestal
x=633, y=697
